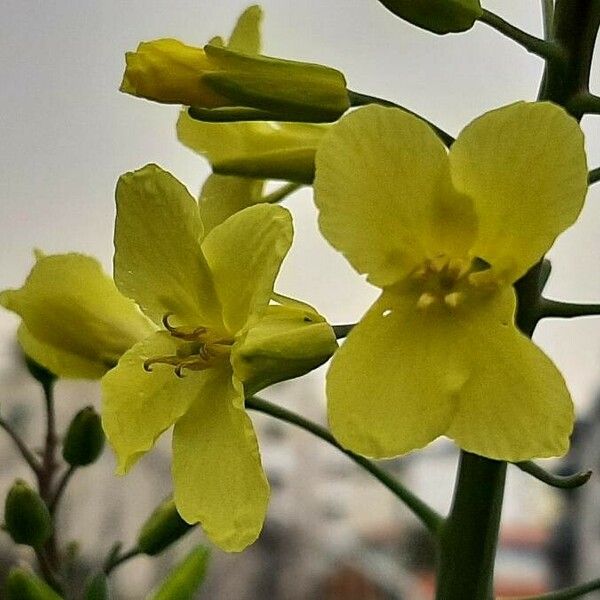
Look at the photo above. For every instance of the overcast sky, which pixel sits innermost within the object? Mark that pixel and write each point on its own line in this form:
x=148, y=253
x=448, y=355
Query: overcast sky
x=67, y=133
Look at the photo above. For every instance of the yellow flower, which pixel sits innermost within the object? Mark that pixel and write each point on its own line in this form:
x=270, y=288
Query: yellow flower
x=445, y=236
x=220, y=338
x=75, y=322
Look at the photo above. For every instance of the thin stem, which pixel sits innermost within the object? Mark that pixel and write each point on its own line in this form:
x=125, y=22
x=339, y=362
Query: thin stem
x=60, y=488
x=545, y=49
x=566, y=310
x=594, y=175
x=358, y=99
x=547, y=17
x=26, y=453
x=116, y=561
x=564, y=482
x=577, y=591
x=431, y=519
x=47, y=570
x=342, y=331
x=283, y=192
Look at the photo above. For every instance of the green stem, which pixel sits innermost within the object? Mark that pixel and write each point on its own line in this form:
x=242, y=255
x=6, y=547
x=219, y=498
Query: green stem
x=26, y=453
x=594, y=175
x=470, y=535
x=342, y=331
x=60, y=488
x=566, y=310
x=577, y=591
x=545, y=49
x=547, y=17
x=358, y=99
x=116, y=561
x=431, y=519
x=566, y=482
x=283, y=192
x=585, y=103
x=575, y=28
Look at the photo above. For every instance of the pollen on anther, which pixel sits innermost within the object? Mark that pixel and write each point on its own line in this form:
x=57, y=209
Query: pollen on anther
x=453, y=299
x=426, y=300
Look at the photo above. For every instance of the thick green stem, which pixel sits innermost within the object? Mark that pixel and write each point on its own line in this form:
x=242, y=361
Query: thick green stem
x=575, y=29
x=470, y=534
x=426, y=514
x=594, y=175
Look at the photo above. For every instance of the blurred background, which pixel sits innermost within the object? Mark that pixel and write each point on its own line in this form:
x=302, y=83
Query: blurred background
x=332, y=533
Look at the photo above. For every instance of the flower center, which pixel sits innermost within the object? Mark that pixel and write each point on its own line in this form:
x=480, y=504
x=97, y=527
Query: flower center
x=203, y=348
x=444, y=281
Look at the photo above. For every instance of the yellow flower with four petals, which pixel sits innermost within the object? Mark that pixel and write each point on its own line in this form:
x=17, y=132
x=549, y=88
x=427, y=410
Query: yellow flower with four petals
x=445, y=235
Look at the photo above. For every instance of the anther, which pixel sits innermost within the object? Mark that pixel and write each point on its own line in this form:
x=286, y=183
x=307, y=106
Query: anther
x=426, y=300
x=453, y=299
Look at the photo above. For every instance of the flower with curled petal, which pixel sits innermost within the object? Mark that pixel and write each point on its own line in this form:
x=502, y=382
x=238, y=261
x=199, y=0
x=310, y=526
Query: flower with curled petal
x=220, y=338
x=445, y=235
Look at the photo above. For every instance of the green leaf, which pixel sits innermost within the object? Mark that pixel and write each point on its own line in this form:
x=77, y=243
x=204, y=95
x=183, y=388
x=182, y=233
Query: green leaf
x=183, y=582
x=437, y=16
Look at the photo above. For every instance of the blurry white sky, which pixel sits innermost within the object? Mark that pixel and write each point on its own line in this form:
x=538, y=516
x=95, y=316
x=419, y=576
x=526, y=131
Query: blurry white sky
x=67, y=133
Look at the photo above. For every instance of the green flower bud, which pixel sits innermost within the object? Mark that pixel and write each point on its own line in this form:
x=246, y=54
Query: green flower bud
x=290, y=340
x=84, y=439
x=23, y=585
x=438, y=16
x=97, y=588
x=183, y=582
x=163, y=527
x=26, y=516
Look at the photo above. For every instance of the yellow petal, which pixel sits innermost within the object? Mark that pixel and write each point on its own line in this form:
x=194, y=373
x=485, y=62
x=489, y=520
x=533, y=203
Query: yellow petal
x=139, y=405
x=223, y=196
x=392, y=385
x=218, y=477
x=245, y=36
x=515, y=405
x=158, y=261
x=245, y=253
x=254, y=149
x=58, y=361
x=378, y=171
x=525, y=169
x=169, y=71
x=77, y=324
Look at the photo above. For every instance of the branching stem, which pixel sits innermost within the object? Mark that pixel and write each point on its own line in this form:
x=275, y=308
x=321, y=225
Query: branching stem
x=26, y=453
x=431, y=519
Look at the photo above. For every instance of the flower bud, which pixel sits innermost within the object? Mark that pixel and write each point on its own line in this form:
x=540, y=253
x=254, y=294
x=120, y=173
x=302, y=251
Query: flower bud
x=290, y=340
x=84, y=439
x=26, y=516
x=262, y=150
x=185, y=579
x=163, y=527
x=23, y=585
x=438, y=16
x=214, y=78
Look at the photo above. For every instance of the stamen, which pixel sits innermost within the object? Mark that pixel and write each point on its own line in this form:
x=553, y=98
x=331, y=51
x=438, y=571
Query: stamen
x=453, y=299
x=426, y=300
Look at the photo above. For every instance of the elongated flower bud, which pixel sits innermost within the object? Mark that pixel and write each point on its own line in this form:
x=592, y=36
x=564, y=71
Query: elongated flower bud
x=214, y=78
x=26, y=516
x=24, y=585
x=163, y=527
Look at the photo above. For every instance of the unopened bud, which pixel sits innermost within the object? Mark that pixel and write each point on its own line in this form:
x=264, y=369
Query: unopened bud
x=24, y=585
x=84, y=439
x=26, y=516
x=163, y=527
